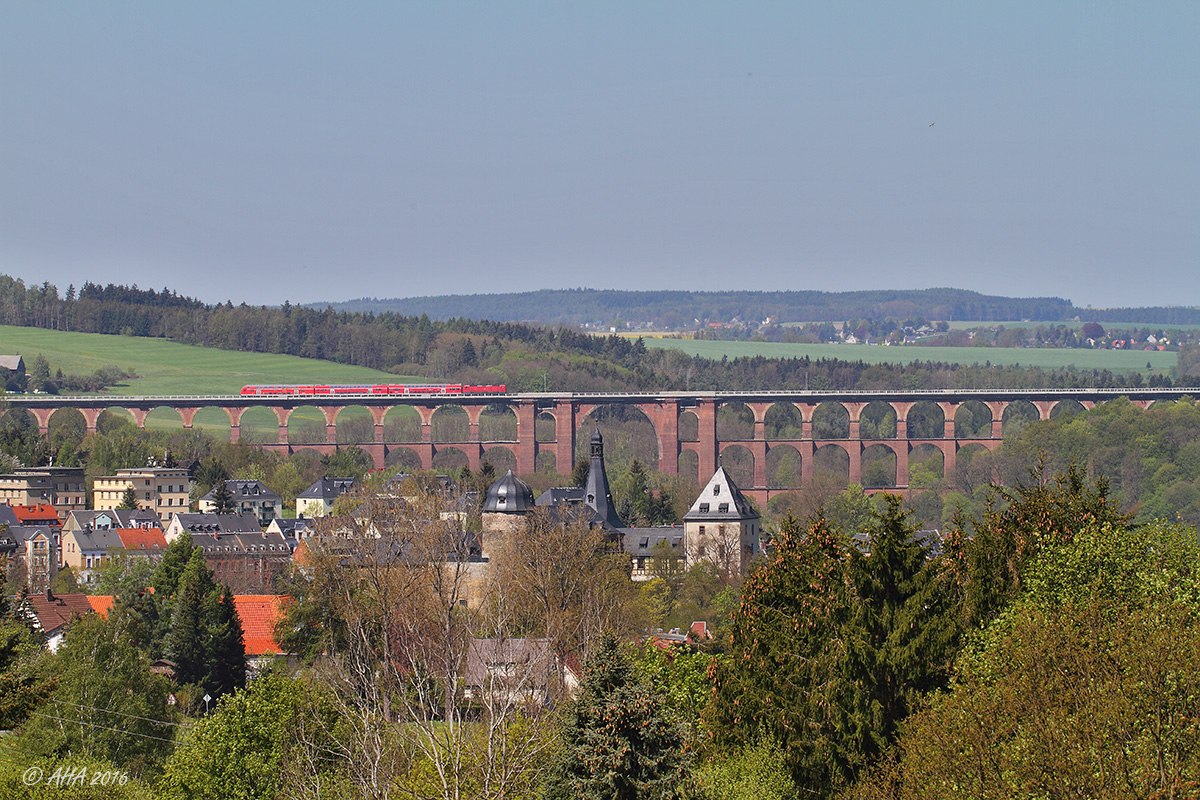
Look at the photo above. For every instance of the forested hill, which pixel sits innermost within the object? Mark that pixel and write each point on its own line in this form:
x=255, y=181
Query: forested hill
x=523, y=357
x=679, y=309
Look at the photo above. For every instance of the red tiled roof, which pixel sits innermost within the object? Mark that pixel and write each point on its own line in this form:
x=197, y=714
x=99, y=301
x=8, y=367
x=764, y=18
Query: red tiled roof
x=57, y=611
x=258, y=614
x=142, y=538
x=32, y=515
x=101, y=603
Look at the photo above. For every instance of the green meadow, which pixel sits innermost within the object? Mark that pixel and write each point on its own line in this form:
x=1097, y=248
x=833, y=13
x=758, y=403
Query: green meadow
x=1115, y=360
x=164, y=367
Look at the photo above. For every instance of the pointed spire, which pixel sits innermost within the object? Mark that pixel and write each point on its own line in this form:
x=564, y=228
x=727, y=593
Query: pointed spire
x=596, y=491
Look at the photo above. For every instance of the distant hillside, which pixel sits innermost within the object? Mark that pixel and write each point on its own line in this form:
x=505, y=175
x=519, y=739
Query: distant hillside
x=685, y=310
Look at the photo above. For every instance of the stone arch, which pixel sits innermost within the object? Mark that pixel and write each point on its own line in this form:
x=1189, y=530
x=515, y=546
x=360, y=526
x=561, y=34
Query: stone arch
x=689, y=426
x=783, y=421
x=402, y=423
x=689, y=465
x=407, y=459
x=1066, y=408
x=165, y=418
x=259, y=425
x=1016, y=416
x=450, y=460
x=306, y=425
x=215, y=422
x=877, y=421
x=738, y=461
x=831, y=420
x=498, y=423
x=546, y=462
x=355, y=425
x=785, y=466
x=831, y=462
x=926, y=420
x=545, y=429
x=501, y=458
x=974, y=468
x=879, y=467
x=19, y=418
x=114, y=417
x=735, y=422
x=926, y=463
x=972, y=420
x=67, y=424
x=628, y=434
x=450, y=423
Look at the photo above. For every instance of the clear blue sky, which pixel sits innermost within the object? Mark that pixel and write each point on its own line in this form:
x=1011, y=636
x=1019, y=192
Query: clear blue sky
x=326, y=151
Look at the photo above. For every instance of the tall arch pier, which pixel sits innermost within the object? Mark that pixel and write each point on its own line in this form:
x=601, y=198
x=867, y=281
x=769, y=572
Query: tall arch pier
x=779, y=440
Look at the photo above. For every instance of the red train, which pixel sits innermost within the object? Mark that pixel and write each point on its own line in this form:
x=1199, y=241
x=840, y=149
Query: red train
x=373, y=388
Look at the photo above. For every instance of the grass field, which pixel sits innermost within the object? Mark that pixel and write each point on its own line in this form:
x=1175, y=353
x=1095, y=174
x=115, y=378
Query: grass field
x=1115, y=360
x=169, y=368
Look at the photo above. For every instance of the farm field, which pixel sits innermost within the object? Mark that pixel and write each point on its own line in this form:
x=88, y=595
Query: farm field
x=1115, y=360
x=170, y=368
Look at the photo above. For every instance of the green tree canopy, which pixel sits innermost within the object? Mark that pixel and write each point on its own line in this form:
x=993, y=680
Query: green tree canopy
x=618, y=744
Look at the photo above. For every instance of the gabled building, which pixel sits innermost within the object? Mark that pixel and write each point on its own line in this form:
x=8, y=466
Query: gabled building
x=318, y=499
x=189, y=523
x=163, y=490
x=112, y=518
x=249, y=497
x=722, y=527
x=86, y=549
x=61, y=487
x=52, y=614
x=246, y=562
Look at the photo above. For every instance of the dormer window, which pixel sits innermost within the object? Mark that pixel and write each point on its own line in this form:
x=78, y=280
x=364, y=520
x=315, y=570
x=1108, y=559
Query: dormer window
x=704, y=508
x=723, y=508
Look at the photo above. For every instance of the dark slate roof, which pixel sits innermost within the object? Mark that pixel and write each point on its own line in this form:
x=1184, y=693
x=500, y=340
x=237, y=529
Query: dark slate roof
x=219, y=523
x=640, y=542
x=120, y=518
x=245, y=489
x=509, y=495
x=327, y=489
x=720, y=500
x=561, y=496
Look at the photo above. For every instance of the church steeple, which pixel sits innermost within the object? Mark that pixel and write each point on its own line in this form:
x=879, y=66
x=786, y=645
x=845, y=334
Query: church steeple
x=596, y=492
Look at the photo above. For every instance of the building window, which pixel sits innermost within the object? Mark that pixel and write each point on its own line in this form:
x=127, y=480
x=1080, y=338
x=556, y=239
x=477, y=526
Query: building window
x=724, y=507
x=704, y=508
x=716, y=488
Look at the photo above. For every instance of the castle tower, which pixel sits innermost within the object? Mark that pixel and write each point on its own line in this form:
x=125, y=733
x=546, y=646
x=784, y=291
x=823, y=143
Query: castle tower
x=722, y=527
x=508, y=501
x=596, y=493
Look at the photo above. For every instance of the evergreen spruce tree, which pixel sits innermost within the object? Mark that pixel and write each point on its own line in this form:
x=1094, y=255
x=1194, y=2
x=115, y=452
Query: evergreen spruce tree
x=187, y=640
x=222, y=498
x=618, y=742
x=129, y=500
x=579, y=474
x=902, y=626
x=227, y=649
x=175, y=560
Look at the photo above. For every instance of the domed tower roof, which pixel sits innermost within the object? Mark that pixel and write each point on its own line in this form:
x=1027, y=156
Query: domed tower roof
x=509, y=495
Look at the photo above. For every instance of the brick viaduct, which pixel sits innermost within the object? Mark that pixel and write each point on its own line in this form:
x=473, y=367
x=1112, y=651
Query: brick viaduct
x=665, y=412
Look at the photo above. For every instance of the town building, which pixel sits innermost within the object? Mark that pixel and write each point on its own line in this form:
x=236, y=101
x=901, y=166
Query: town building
x=722, y=527
x=192, y=522
x=163, y=490
x=111, y=518
x=318, y=499
x=247, y=496
x=61, y=487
